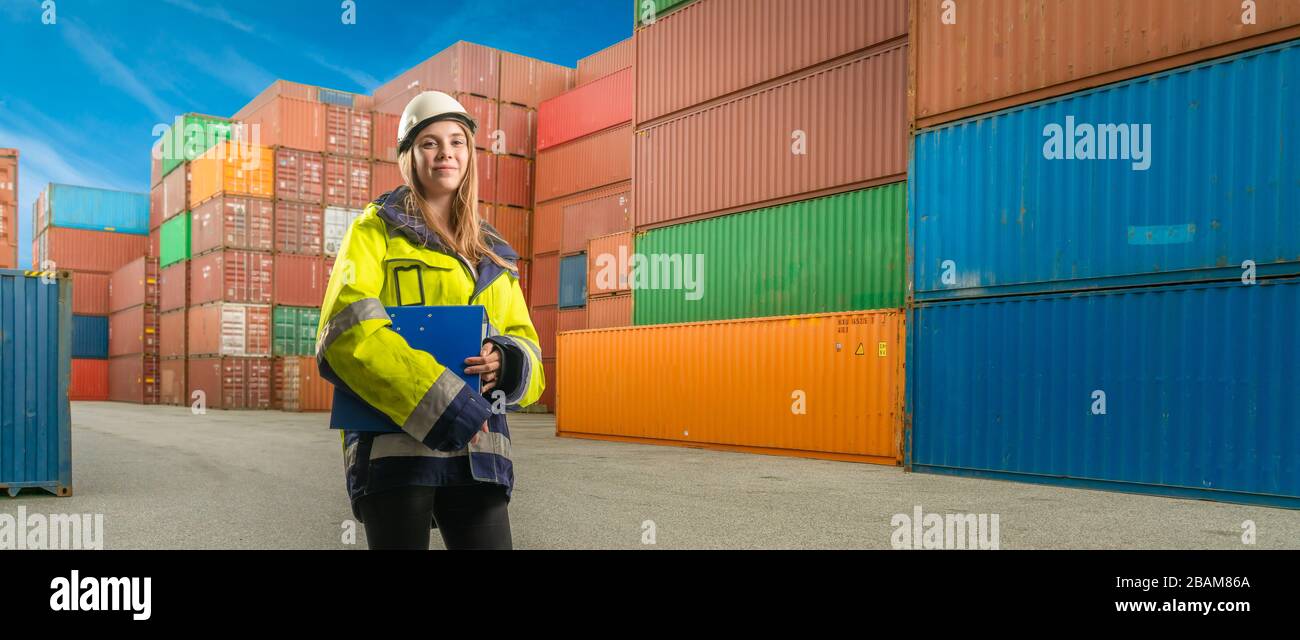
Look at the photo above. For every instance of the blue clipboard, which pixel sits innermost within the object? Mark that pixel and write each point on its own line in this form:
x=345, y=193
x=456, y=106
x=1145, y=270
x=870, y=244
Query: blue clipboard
x=449, y=333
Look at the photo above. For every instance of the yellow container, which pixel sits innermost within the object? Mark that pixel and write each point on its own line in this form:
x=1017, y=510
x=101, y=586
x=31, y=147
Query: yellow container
x=233, y=169
x=821, y=386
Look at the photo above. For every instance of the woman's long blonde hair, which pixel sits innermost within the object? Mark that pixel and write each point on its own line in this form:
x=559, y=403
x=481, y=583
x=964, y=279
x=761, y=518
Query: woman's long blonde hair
x=464, y=222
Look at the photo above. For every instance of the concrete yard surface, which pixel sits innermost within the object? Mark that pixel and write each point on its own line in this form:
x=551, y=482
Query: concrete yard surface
x=164, y=478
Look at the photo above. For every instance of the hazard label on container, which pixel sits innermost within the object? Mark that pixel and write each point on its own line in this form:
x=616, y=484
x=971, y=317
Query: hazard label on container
x=861, y=350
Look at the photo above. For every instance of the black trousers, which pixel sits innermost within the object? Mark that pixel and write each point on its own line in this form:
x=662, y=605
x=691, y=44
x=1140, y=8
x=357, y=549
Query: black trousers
x=469, y=517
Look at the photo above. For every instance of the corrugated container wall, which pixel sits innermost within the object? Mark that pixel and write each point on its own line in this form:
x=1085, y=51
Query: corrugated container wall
x=133, y=330
x=298, y=386
x=572, y=319
x=605, y=62
x=793, y=139
x=175, y=193
x=294, y=330
x=592, y=216
x=35, y=368
x=174, y=241
x=519, y=125
x=173, y=286
x=299, y=227
x=90, y=293
x=777, y=38
x=94, y=251
x=545, y=321
x=233, y=169
x=299, y=176
x=347, y=182
x=595, y=107
x=514, y=181
x=90, y=337
x=231, y=276
x=172, y=389
x=133, y=378
x=89, y=379
x=300, y=280
x=529, y=82
x=997, y=209
x=573, y=282
x=289, y=122
x=231, y=383
x=546, y=280
x=134, y=284
x=1154, y=390
x=232, y=222
x=977, y=62
x=647, y=12
x=189, y=137
x=227, y=329
x=73, y=207
x=172, y=339
x=609, y=312
x=609, y=261
x=462, y=67
x=594, y=161
x=785, y=387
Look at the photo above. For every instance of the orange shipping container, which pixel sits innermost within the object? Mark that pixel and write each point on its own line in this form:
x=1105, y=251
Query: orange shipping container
x=608, y=312
x=514, y=181
x=784, y=393
x=586, y=163
x=605, y=62
x=528, y=81
x=172, y=389
x=297, y=386
x=608, y=261
x=234, y=170
x=999, y=54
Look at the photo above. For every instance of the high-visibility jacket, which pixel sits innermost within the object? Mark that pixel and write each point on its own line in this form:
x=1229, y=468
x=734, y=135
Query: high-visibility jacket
x=389, y=257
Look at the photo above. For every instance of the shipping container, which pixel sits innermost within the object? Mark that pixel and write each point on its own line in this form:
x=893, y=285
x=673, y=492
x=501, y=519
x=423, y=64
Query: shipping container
x=485, y=166
x=172, y=339
x=90, y=293
x=587, y=163
x=155, y=206
x=524, y=267
x=573, y=282
x=384, y=177
x=175, y=193
x=89, y=208
x=384, y=143
x=175, y=240
x=229, y=329
x=529, y=82
x=839, y=253
x=514, y=181
x=232, y=168
x=230, y=383
x=294, y=119
x=1003, y=204
x=547, y=402
x=592, y=216
x=611, y=311
x=89, y=336
x=462, y=67
x=232, y=276
x=89, y=379
x=347, y=131
x=298, y=386
x=518, y=126
x=549, y=216
x=976, y=63
x=347, y=182
x=133, y=378
x=647, y=12
x=777, y=144
x=9, y=176
x=133, y=330
x=299, y=228
x=609, y=261
x=486, y=114
x=189, y=137
x=174, y=286
x=546, y=280
x=172, y=389
x=594, y=107
x=154, y=250
x=784, y=390
x=512, y=223
x=572, y=319
x=605, y=62
x=134, y=284
x=35, y=369
x=282, y=89
x=299, y=175
x=301, y=280
x=1183, y=390
x=546, y=322
x=232, y=222
x=337, y=221
x=155, y=165
x=294, y=330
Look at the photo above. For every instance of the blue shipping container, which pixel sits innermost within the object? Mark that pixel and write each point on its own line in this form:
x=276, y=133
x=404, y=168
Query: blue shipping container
x=98, y=209
x=1204, y=175
x=573, y=281
x=35, y=366
x=90, y=337
x=1184, y=390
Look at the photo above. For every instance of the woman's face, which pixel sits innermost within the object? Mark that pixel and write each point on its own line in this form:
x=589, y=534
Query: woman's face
x=441, y=157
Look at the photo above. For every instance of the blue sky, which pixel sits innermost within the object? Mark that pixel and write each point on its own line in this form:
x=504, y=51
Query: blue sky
x=79, y=98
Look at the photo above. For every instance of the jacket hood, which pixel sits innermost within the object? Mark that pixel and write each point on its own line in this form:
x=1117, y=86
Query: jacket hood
x=393, y=211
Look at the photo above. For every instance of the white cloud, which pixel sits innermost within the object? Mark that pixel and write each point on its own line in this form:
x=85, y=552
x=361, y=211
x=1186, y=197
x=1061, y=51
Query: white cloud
x=111, y=70
x=231, y=69
x=213, y=12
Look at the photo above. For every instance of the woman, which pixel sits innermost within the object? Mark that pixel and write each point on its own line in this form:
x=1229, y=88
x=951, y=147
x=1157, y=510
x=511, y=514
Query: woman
x=424, y=244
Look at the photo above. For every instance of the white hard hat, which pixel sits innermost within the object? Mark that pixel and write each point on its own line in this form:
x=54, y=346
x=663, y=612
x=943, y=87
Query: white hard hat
x=426, y=108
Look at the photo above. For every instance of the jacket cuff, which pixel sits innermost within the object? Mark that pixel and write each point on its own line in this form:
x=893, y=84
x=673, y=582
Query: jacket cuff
x=458, y=424
x=512, y=366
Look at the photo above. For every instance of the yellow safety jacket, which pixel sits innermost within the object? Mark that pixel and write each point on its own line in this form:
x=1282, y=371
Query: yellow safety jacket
x=389, y=257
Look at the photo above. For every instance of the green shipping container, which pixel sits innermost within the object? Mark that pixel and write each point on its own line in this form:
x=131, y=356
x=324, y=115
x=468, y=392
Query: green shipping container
x=295, y=331
x=838, y=253
x=640, y=10
x=197, y=134
x=175, y=240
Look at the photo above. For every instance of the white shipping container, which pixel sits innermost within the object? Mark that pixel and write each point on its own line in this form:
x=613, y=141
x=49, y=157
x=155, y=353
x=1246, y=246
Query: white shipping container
x=337, y=221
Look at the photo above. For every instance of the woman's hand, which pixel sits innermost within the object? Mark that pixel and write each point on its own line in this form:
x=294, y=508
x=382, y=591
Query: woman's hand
x=487, y=365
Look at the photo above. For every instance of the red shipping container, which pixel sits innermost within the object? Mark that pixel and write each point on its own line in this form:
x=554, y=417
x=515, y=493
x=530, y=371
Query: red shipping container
x=229, y=329
x=93, y=251
x=608, y=265
x=133, y=330
x=547, y=401
x=572, y=319
x=726, y=158
x=528, y=81
x=485, y=164
x=347, y=182
x=232, y=222
x=462, y=67
x=518, y=124
x=155, y=206
x=172, y=389
x=134, y=284
x=300, y=280
x=514, y=181
x=172, y=338
x=384, y=177
x=524, y=266
x=609, y=311
x=384, y=143
x=545, y=322
x=546, y=280
x=174, y=286
x=586, y=163
x=231, y=276
x=595, y=216
x=594, y=107
x=297, y=386
x=230, y=383
x=299, y=175
x=176, y=192
x=155, y=165
x=605, y=62
x=155, y=243
x=288, y=120
x=513, y=225
x=548, y=219
x=133, y=378
x=347, y=131
x=89, y=380
x=90, y=293
x=484, y=112
x=299, y=228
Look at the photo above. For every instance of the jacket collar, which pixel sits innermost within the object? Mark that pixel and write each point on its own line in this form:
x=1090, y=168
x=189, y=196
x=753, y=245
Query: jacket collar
x=411, y=225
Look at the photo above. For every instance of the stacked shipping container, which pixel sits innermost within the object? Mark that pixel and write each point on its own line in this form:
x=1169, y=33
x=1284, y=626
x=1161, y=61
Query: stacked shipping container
x=133, y=340
x=1121, y=206
x=8, y=208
